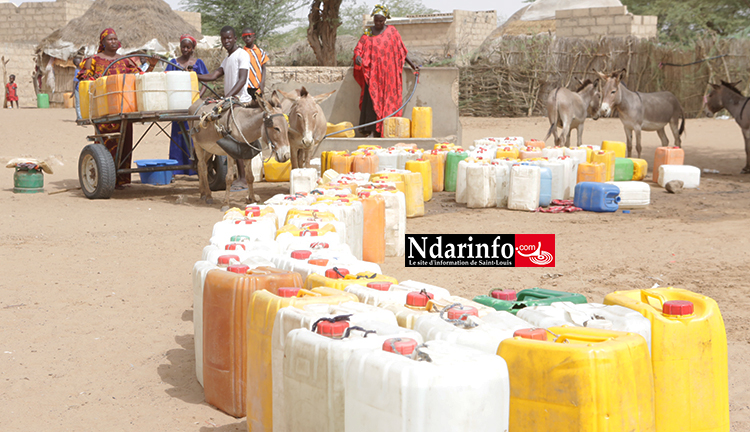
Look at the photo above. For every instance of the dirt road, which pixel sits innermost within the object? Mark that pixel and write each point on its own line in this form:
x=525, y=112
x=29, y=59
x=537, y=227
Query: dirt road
x=96, y=303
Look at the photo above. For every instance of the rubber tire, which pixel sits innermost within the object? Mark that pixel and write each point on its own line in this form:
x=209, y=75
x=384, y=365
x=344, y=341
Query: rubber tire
x=217, y=173
x=106, y=175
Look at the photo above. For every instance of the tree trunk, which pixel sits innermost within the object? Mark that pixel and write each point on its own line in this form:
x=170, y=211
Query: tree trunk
x=321, y=33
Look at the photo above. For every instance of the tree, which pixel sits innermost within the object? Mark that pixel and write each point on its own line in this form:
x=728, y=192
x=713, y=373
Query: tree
x=353, y=10
x=263, y=16
x=686, y=20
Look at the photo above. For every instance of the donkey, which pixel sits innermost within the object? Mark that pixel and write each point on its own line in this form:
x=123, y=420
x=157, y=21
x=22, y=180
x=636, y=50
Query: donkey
x=569, y=110
x=641, y=111
x=726, y=95
x=307, y=124
x=244, y=126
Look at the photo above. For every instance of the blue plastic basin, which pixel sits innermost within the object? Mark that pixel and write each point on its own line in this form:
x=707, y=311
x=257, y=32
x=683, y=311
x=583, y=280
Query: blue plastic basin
x=156, y=177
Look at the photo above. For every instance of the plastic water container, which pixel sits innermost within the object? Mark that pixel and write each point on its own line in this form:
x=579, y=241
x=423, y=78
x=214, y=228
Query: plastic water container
x=310, y=261
x=331, y=320
x=423, y=168
x=591, y=150
x=633, y=194
x=608, y=159
x=688, y=355
x=578, y=153
x=341, y=276
x=592, y=172
x=99, y=105
x=225, y=312
x=640, y=169
x=314, y=367
x=439, y=304
x=606, y=382
x=507, y=152
x=414, y=194
x=396, y=127
x=545, y=186
x=690, y=175
x=200, y=271
x=412, y=285
x=387, y=159
x=560, y=179
x=386, y=391
x=667, y=156
x=512, y=302
x=570, y=175
x=623, y=169
x=421, y=122
x=352, y=214
x=156, y=177
x=525, y=185
x=502, y=184
x=275, y=171
x=303, y=180
x=481, y=186
x=342, y=163
x=451, y=169
x=84, y=98
x=437, y=168
x=597, y=197
x=331, y=128
x=373, y=236
x=590, y=315
x=121, y=94
x=179, y=90
x=553, y=153
x=293, y=237
x=530, y=153
x=619, y=148
x=535, y=143
x=367, y=162
x=379, y=293
x=241, y=231
x=151, y=91
x=461, y=180
x=483, y=334
x=195, y=87
x=263, y=307
x=395, y=219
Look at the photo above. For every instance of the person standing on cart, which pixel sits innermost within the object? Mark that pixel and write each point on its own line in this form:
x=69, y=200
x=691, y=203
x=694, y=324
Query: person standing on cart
x=256, y=79
x=235, y=69
x=179, y=149
x=94, y=68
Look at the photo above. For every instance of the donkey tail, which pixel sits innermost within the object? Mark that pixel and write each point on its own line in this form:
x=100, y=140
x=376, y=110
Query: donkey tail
x=682, y=126
x=554, y=122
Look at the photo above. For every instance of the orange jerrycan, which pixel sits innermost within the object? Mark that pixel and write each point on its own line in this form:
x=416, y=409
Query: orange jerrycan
x=342, y=163
x=577, y=379
x=226, y=298
x=667, y=156
x=121, y=97
x=99, y=103
x=591, y=172
x=607, y=157
x=424, y=168
x=366, y=162
x=373, y=241
x=536, y=143
x=689, y=357
x=263, y=307
x=437, y=167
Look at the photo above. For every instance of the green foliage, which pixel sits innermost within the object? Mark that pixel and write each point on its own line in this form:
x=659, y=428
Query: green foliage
x=686, y=20
x=264, y=16
x=352, y=10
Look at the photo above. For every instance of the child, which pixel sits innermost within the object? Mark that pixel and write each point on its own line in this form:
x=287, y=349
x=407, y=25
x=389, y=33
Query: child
x=11, y=94
x=77, y=62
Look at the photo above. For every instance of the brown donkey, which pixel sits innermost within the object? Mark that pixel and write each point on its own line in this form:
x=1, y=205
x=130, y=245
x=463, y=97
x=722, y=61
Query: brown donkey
x=307, y=124
x=568, y=110
x=641, y=111
x=726, y=95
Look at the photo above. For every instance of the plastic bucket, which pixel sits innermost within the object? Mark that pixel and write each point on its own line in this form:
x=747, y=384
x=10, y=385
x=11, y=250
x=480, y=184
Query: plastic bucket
x=42, y=100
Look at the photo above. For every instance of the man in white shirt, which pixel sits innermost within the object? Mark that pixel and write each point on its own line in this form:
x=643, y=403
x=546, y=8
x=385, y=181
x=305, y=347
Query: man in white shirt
x=234, y=69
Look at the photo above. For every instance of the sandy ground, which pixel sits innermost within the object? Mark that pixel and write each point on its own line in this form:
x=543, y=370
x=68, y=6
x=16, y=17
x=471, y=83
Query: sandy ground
x=95, y=296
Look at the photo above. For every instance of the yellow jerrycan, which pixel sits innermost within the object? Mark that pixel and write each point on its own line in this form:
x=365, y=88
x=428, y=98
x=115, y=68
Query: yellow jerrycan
x=421, y=122
x=396, y=127
x=424, y=169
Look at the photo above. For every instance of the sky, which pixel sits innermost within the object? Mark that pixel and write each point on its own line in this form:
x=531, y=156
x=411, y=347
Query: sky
x=505, y=8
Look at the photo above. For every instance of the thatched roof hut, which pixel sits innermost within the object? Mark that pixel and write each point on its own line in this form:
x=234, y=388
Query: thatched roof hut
x=137, y=23
x=140, y=25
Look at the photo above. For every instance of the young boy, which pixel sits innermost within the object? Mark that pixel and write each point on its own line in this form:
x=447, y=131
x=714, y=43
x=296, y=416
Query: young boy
x=256, y=79
x=77, y=62
x=11, y=94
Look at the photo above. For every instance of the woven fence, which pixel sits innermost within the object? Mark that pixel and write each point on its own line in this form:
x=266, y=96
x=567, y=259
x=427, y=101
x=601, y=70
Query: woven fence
x=513, y=76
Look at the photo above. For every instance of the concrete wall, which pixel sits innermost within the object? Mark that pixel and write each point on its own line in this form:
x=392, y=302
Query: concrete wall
x=192, y=18
x=33, y=21
x=21, y=64
x=607, y=21
x=438, y=88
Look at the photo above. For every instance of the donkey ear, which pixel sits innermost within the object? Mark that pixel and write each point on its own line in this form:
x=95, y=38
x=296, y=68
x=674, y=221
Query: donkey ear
x=620, y=74
x=275, y=100
x=290, y=96
x=321, y=97
x=579, y=80
x=596, y=82
x=715, y=86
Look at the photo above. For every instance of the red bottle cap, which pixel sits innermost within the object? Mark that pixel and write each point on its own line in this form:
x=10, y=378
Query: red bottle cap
x=318, y=262
x=288, y=292
x=404, y=346
x=311, y=225
x=459, y=311
x=238, y=268
x=225, y=259
x=380, y=286
x=318, y=245
x=678, y=308
x=332, y=274
x=234, y=246
x=508, y=295
x=301, y=254
x=418, y=298
x=252, y=211
x=332, y=329
x=532, y=333
x=244, y=222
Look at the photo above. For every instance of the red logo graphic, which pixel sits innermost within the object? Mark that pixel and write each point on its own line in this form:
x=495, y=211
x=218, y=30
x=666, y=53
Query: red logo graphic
x=535, y=250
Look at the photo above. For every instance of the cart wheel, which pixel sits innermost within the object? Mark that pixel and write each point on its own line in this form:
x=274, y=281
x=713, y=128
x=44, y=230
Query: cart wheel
x=217, y=173
x=96, y=172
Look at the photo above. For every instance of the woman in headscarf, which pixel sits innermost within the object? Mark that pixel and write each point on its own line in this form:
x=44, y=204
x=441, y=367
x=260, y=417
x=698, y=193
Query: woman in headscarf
x=378, y=63
x=178, y=149
x=94, y=68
